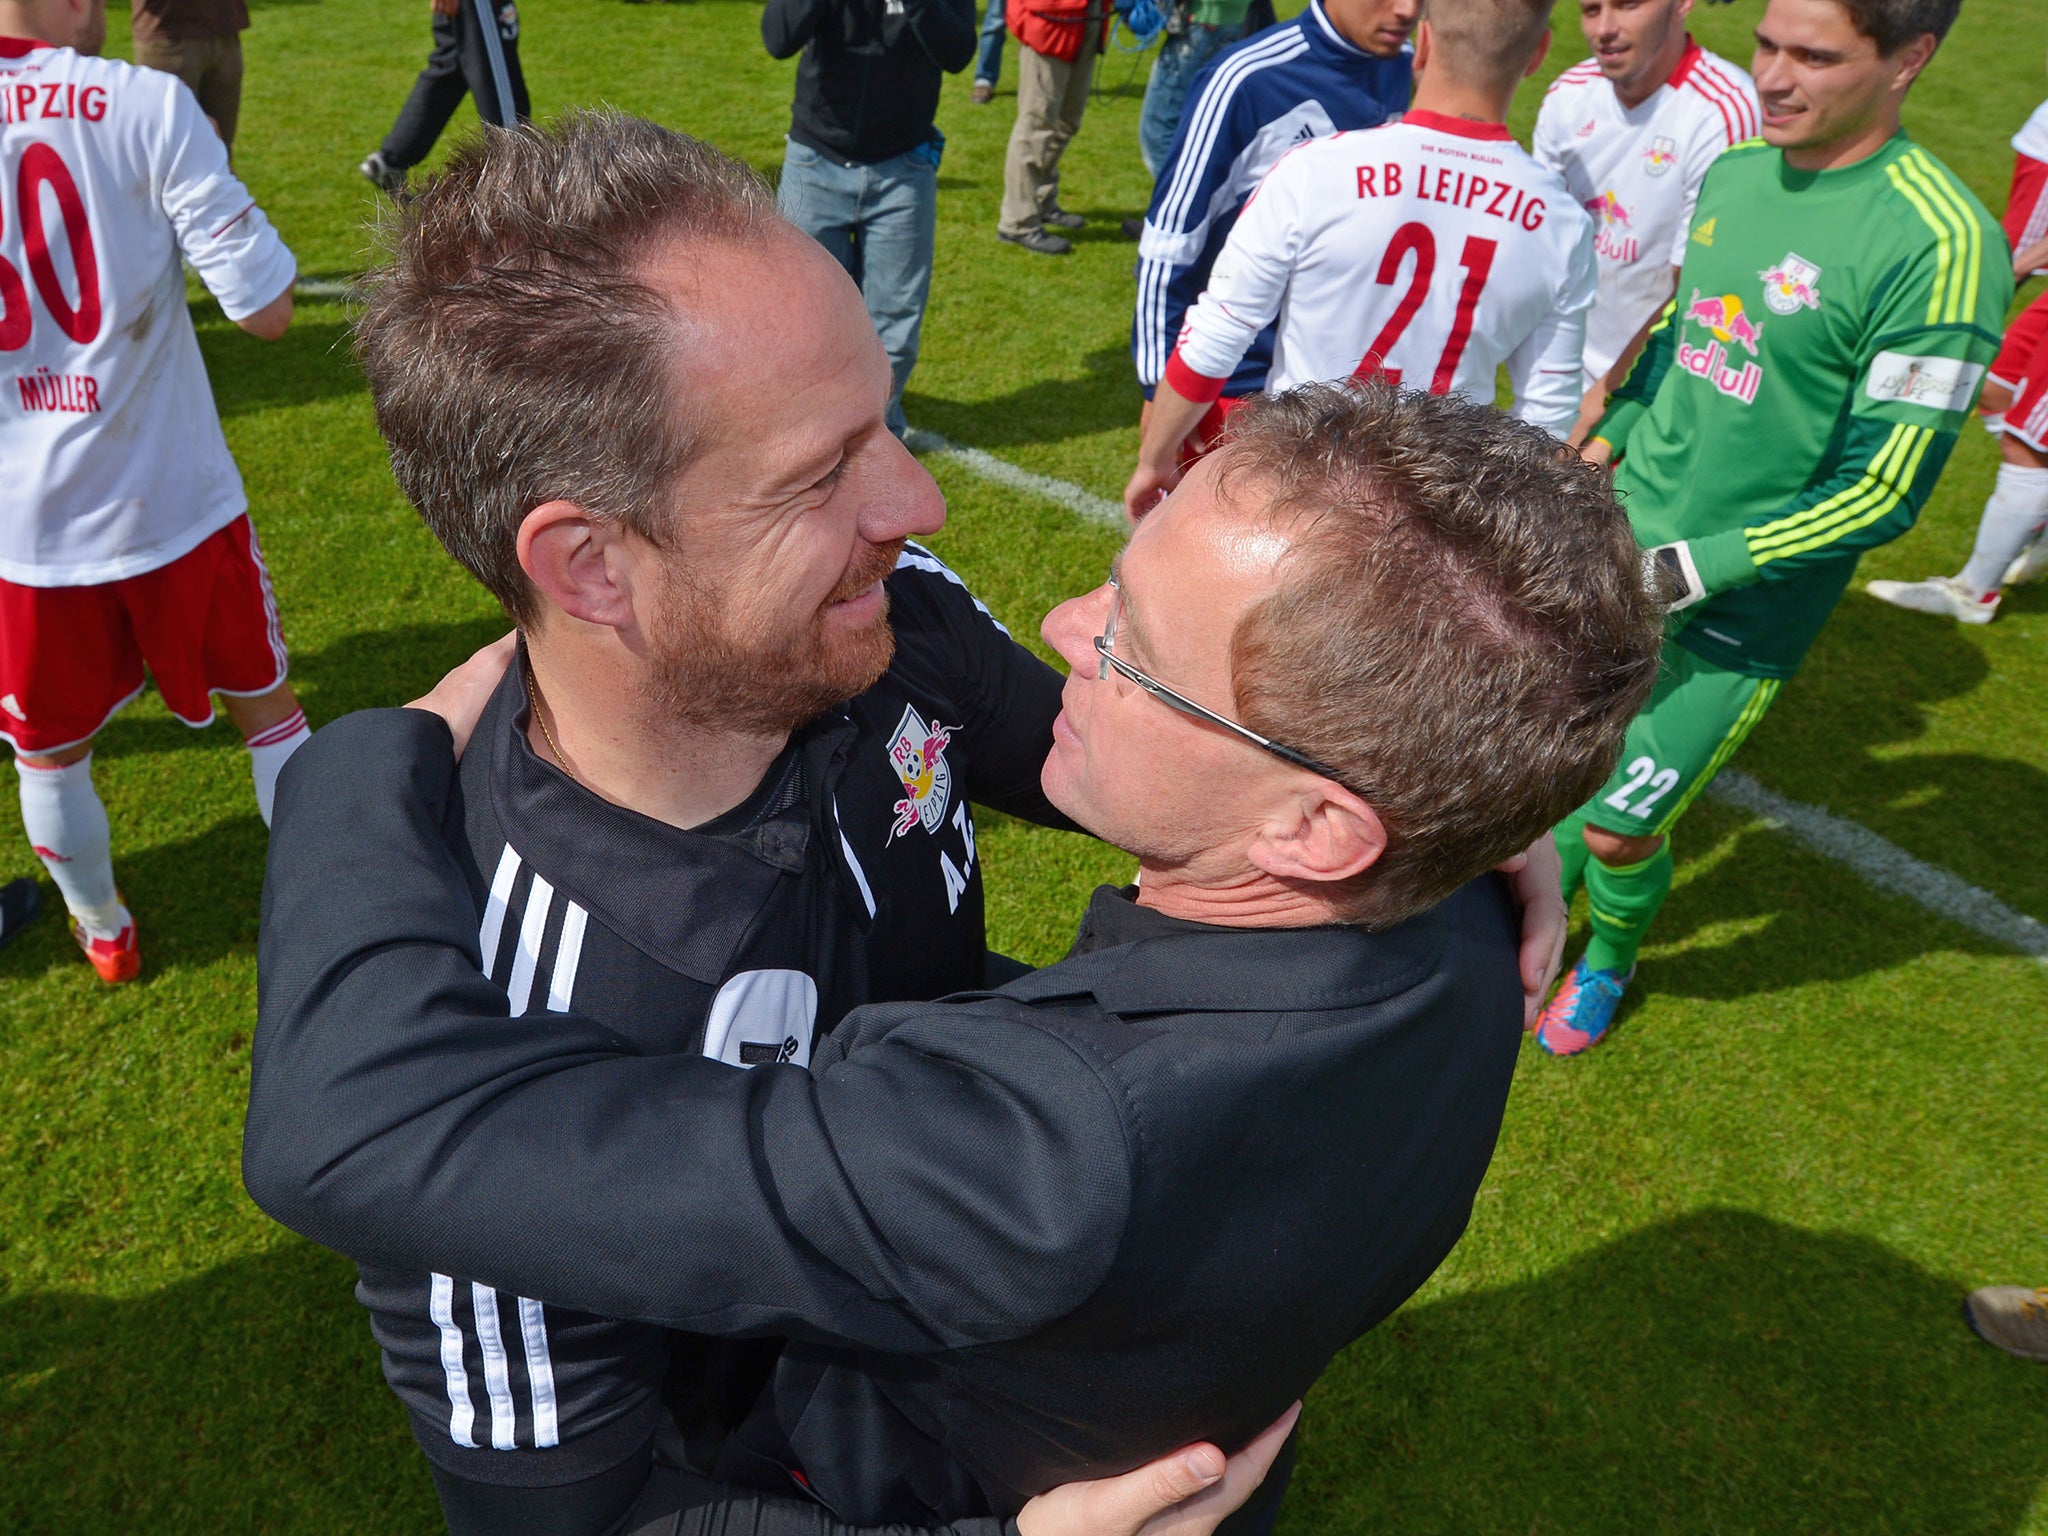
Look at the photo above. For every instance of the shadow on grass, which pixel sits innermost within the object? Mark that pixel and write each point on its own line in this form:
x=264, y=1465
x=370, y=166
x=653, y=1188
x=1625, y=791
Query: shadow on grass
x=1043, y=411
x=245, y=1399
x=1718, y=1373
x=310, y=362
x=1721, y=1372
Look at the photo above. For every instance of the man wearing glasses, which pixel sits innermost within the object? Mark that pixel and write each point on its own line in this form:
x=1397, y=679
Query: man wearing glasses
x=1139, y=1197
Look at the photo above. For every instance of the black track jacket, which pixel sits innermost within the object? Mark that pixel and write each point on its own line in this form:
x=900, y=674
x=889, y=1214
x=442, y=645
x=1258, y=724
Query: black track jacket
x=849, y=875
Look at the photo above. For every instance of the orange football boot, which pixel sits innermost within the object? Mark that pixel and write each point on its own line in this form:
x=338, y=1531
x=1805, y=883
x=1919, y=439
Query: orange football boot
x=113, y=960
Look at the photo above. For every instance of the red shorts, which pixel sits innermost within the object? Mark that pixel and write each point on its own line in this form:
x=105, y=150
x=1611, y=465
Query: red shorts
x=2022, y=367
x=204, y=624
x=2026, y=206
x=1209, y=430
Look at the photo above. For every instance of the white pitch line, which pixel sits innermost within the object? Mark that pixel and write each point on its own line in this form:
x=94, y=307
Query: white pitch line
x=1083, y=504
x=1883, y=864
x=329, y=289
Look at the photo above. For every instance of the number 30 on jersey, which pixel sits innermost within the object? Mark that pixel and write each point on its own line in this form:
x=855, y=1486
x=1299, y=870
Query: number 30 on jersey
x=41, y=178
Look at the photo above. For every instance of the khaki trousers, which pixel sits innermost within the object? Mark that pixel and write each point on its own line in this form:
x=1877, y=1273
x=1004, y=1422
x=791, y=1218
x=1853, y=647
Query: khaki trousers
x=1051, y=95
x=211, y=66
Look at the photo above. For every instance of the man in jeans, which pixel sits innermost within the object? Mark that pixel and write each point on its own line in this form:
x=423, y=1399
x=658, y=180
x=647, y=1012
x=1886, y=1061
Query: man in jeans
x=1061, y=40
x=199, y=41
x=861, y=171
x=1207, y=27
x=988, y=63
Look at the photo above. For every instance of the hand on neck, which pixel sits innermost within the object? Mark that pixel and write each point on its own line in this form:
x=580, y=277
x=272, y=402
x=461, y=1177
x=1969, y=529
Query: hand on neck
x=598, y=707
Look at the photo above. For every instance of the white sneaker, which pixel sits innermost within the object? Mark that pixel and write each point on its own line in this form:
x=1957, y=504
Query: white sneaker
x=1937, y=594
x=2031, y=563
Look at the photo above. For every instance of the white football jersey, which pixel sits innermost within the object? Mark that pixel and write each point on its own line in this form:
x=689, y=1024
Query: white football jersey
x=2032, y=139
x=1638, y=171
x=115, y=460
x=1430, y=250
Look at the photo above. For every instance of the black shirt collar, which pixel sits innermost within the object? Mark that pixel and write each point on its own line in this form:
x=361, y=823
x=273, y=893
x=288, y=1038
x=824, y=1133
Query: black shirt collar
x=1133, y=960
x=685, y=897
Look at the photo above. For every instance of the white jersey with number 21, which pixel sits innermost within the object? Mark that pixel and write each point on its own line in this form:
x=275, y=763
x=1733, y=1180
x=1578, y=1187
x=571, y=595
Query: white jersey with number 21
x=114, y=457
x=1432, y=251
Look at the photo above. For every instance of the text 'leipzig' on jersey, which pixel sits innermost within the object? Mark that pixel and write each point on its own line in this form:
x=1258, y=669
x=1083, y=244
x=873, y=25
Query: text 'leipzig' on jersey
x=1431, y=252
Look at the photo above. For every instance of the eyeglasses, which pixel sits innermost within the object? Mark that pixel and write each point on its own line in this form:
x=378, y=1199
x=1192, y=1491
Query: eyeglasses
x=1104, y=644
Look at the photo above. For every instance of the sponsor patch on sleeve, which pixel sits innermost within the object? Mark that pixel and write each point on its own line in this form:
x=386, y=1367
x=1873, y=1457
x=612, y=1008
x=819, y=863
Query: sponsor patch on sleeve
x=1935, y=383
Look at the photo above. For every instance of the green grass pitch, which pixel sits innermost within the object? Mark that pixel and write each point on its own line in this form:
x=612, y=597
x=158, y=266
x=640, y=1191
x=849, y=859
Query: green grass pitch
x=1711, y=1284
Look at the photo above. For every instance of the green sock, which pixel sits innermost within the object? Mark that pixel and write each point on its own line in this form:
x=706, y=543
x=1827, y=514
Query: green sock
x=1571, y=848
x=1624, y=902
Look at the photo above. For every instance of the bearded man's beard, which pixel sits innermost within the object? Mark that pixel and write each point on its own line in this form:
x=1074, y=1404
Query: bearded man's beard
x=711, y=674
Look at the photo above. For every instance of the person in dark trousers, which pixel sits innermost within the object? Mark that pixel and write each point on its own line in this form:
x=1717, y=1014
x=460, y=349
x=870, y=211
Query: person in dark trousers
x=199, y=41
x=1049, y=1229
x=467, y=59
x=860, y=172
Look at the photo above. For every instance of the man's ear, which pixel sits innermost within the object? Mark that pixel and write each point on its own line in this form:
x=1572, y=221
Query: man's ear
x=1912, y=59
x=1322, y=834
x=1425, y=44
x=1542, y=53
x=570, y=557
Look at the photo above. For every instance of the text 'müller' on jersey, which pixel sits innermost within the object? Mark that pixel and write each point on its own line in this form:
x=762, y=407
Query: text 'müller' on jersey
x=1432, y=251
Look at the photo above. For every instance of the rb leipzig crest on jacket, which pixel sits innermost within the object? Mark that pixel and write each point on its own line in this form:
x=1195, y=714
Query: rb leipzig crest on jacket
x=918, y=754
x=1792, y=285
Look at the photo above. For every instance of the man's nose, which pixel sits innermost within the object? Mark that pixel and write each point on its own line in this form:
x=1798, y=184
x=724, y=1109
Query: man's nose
x=1071, y=629
x=904, y=501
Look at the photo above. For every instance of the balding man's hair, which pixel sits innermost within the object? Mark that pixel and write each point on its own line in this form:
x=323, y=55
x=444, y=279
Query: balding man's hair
x=515, y=354
x=1461, y=627
x=1485, y=43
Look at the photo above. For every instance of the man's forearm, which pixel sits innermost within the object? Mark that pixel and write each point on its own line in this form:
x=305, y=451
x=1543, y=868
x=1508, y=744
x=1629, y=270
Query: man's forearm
x=398, y=1114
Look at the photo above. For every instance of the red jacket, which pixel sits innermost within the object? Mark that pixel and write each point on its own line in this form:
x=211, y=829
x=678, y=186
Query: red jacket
x=1056, y=28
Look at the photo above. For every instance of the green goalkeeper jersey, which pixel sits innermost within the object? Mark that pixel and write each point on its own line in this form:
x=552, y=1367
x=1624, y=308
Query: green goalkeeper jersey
x=1798, y=398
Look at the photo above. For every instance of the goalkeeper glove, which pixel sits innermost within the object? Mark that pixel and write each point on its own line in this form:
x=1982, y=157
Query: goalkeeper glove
x=1671, y=576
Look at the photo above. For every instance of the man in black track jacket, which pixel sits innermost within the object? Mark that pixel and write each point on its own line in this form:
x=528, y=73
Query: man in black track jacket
x=1046, y=1232
x=860, y=172
x=717, y=799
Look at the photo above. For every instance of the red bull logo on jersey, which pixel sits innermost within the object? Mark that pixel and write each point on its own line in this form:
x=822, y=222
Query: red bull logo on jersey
x=918, y=754
x=1792, y=285
x=1724, y=317
x=1659, y=156
x=1729, y=327
x=1611, y=226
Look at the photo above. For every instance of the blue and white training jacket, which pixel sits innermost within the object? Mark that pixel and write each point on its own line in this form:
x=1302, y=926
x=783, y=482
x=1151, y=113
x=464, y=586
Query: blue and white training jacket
x=1245, y=110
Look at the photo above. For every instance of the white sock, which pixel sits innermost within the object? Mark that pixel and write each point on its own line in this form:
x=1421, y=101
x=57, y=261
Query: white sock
x=68, y=827
x=267, y=751
x=2012, y=520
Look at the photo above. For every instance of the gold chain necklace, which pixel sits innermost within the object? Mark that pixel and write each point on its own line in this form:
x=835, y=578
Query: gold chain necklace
x=546, y=735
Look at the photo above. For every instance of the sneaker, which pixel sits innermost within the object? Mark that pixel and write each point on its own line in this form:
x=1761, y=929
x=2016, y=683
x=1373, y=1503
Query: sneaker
x=1581, y=1011
x=2012, y=1317
x=1040, y=241
x=115, y=960
x=385, y=177
x=1134, y=229
x=20, y=901
x=1059, y=218
x=984, y=93
x=1937, y=594
x=2031, y=564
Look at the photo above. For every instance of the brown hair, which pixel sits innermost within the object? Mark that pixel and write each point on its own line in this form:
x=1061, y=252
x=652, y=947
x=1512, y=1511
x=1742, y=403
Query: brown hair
x=1461, y=629
x=1891, y=24
x=515, y=356
x=1485, y=42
